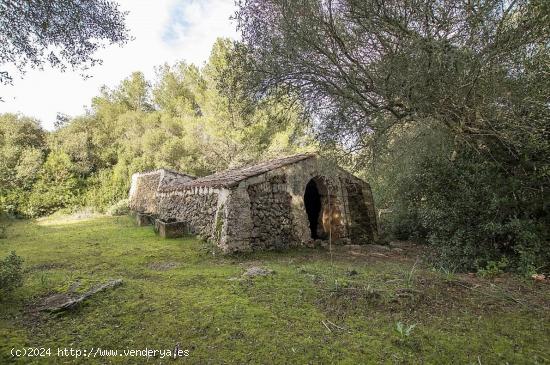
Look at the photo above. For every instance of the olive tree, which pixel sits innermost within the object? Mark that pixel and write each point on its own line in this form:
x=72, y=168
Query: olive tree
x=63, y=33
x=384, y=78
x=366, y=65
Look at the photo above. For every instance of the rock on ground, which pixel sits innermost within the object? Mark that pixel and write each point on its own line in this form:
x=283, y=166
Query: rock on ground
x=257, y=271
x=163, y=266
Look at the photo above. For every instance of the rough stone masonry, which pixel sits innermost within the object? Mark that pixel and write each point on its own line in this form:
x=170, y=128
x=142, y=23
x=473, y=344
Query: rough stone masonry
x=276, y=204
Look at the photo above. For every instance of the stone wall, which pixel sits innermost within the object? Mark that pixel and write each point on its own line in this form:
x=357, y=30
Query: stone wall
x=144, y=188
x=331, y=222
x=333, y=218
x=268, y=211
x=360, y=222
x=270, y=205
x=143, y=192
x=235, y=220
x=198, y=211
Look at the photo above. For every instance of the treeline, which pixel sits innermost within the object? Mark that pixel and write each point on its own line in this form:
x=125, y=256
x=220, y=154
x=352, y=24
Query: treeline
x=189, y=119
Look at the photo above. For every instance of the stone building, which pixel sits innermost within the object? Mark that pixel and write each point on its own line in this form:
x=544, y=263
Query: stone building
x=145, y=185
x=284, y=202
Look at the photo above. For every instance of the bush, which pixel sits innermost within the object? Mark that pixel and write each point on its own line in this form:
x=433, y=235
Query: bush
x=57, y=187
x=472, y=210
x=11, y=273
x=107, y=187
x=475, y=215
x=493, y=268
x=119, y=208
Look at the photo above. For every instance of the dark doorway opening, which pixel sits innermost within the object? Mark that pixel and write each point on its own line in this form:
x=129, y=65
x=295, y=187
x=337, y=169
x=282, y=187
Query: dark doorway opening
x=312, y=202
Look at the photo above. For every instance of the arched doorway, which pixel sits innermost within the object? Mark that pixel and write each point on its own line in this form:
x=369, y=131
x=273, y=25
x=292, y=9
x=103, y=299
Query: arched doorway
x=312, y=203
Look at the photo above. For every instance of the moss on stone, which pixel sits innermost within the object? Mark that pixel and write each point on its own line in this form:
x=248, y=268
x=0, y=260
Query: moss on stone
x=219, y=223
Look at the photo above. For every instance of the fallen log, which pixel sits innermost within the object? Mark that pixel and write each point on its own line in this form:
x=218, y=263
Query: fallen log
x=66, y=302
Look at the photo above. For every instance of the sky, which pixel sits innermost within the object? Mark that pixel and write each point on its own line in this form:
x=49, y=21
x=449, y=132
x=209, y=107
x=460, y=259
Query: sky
x=164, y=31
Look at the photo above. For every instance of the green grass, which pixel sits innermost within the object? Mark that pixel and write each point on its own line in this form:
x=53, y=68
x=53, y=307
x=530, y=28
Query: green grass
x=281, y=318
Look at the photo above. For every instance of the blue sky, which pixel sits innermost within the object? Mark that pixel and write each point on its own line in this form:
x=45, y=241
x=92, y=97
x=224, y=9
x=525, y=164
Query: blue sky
x=165, y=31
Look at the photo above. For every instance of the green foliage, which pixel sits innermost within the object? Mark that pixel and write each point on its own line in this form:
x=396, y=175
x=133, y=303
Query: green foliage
x=56, y=187
x=474, y=214
x=493, y=268
x=107, y=187
x=119, y=208
x=442, y=105
x=11, y=273
x=22, y=151
x=404, y=336
x=468, y=206
x=58, y=36
x=76, y=139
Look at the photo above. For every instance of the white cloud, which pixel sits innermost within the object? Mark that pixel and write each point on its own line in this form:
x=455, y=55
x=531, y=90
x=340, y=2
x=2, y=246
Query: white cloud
x=165, y=31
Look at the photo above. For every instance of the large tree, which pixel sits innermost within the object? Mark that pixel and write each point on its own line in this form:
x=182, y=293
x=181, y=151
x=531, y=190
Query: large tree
x=63, y=33
x=450, y=97
x=366, y=65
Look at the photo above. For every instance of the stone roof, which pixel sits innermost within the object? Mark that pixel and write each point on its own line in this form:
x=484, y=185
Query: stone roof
x=232, y=177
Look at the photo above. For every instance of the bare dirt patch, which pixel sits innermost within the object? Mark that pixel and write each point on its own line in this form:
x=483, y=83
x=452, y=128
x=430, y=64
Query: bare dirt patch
x=395, y=251
x=419, y=291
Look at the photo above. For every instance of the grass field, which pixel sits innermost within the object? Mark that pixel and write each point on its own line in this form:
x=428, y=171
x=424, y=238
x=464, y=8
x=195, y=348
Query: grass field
x=312, y=310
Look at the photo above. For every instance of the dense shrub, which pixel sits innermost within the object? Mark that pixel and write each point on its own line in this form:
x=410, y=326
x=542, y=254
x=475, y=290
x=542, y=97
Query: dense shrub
x=473, y=210
x=11, y=273
x=474, y=214
x=119, y=208
x=471, y=215
x=106, y=188
x=22, y=150
x=57, y=187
